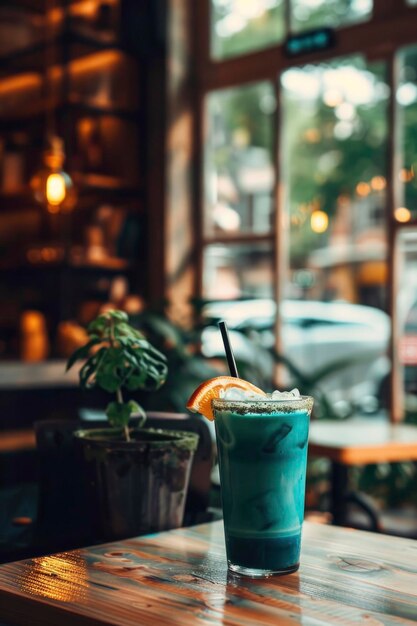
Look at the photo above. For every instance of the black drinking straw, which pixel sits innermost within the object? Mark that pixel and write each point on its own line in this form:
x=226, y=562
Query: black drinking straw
x=228, y=349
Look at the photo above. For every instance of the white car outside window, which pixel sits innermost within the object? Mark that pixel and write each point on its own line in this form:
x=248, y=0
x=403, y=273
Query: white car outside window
x=315, y=335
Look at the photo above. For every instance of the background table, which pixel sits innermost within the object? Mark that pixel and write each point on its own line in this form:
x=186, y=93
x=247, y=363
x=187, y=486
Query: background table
x=358, y=442
x=180, y=577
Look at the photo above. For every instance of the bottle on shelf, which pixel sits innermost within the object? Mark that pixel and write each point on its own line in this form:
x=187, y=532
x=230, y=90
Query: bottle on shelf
x=34, y=342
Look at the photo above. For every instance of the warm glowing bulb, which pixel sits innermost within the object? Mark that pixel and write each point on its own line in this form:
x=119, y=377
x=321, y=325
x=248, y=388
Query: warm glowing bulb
x=402, y=214
x=378, y=183
x=319, y=221
x=55, y=189
x=363, y=189
x=406, y=175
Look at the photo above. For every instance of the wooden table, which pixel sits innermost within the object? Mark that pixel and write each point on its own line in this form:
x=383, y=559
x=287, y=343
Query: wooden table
x=359, y=442
x=180, y=578
x=17, y=440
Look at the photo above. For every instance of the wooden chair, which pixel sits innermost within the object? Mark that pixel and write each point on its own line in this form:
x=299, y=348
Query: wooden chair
x=63, y=515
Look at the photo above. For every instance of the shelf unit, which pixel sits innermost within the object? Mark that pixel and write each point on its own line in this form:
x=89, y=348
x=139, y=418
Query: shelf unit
x=99, y=79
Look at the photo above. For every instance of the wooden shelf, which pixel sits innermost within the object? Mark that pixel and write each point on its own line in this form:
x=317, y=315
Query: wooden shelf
x=85, y=108
x=31, y=113
x=35, y=6
x=75, y=44
x=17, y=200
x=109, y=266
x=87, y=184
x=97, y=76
x=104, y=183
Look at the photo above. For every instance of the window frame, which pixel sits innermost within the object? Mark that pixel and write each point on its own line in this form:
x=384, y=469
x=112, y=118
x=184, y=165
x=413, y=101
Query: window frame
x=367, y=38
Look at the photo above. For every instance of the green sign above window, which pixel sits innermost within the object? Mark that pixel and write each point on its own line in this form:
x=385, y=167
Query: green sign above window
x=310, y=41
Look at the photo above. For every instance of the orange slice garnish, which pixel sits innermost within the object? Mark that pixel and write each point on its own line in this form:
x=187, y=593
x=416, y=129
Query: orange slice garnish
x=200, y=400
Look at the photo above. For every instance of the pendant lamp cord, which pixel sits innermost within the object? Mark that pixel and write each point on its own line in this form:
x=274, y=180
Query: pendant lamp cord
x=49, y=69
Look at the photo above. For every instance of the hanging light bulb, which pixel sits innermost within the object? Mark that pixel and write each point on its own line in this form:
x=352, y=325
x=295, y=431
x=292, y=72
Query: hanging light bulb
x=55, y=189
x=52, y=186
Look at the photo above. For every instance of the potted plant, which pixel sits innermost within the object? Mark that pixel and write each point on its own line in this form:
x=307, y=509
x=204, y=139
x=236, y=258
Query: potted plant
x=136, y=477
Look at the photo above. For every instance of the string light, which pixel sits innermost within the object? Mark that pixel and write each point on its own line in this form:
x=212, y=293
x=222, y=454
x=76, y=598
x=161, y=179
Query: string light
x=402, y=214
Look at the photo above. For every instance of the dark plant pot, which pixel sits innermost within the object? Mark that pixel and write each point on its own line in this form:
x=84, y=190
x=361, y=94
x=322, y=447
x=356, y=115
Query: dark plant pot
x=138, y=486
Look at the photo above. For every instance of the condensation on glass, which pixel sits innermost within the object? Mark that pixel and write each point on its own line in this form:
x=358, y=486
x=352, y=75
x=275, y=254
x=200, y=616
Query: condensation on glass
x=238, y=160
x=406, y=302
x=406, y=97
x=306, y=14
x=334, y=145
x=233, y=271
x=241, y=26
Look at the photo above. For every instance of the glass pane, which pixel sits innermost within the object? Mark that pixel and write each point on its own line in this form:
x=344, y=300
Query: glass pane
x=407, y=316
x=407, y=110
x=239, y=172
x=307, y=14
x=334, y=138
x=241, y=26
x=237, y=270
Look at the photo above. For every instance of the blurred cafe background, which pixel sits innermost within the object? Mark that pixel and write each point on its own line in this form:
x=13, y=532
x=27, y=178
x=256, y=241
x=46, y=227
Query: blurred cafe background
x=190, y=161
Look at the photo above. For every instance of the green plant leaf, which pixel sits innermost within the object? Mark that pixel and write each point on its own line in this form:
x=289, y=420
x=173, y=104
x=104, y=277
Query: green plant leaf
x=134, y=407
x=82, y=352
x=118, y=413
x=125, y=359
x=115, y=314
x=87, y=371
x=137, y=411
x=97, y=326
x=123, y=329
x=136, y=381
x=108, y=382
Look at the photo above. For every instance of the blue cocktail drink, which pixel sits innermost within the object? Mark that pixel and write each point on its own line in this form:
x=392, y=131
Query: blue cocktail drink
x=262, y=447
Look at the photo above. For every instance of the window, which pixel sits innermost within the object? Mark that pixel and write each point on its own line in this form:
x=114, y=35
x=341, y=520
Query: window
x=334, y=146
x=239, y=163
x=307, y=14
x=240, y=26
x=407, y=316
x=407, y=115
x=309, y=191
x=236, y=271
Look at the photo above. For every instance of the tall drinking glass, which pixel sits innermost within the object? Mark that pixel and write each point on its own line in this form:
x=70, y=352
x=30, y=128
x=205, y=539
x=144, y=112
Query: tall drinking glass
x=262, y=448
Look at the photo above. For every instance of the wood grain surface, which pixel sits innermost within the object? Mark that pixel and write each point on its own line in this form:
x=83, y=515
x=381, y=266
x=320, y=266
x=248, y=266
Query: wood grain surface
x=180, y=577
x=362, y=441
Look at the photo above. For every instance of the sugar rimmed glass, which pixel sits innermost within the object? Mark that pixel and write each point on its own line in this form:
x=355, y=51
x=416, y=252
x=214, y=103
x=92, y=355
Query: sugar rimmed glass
x=262, y=449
